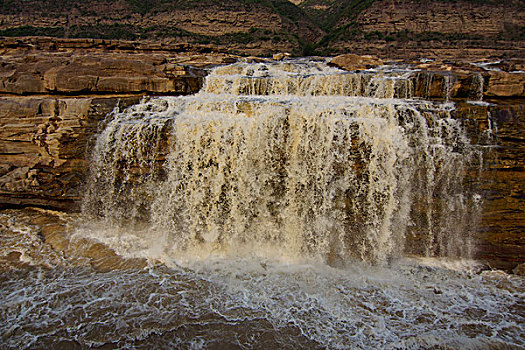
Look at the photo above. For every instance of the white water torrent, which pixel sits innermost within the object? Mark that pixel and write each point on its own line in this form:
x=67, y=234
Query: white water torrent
x=286, y=206
x=285, y=158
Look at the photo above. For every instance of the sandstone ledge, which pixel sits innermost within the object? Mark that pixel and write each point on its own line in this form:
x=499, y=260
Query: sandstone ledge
x=74, y=74
x=43, y=145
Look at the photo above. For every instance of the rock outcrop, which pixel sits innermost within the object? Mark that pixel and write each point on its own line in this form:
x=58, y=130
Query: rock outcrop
x=421, y=29
x=486, y=18
x=52, y=102
x=353, y=62
x=43, y=237
x=96, y=74
x=389, y=28
x=43, y=143
x=256, y=27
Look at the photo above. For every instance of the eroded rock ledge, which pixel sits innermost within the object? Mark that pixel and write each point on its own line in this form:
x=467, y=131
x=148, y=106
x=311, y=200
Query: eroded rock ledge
x=500, y=79
x=75, y=74
x=52, y=101
x=43, y=142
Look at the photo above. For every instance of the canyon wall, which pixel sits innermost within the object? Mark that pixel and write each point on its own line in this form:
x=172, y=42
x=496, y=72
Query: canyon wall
x=421, y=29
x=483, y=18
x=389, y=28
x=255, y=27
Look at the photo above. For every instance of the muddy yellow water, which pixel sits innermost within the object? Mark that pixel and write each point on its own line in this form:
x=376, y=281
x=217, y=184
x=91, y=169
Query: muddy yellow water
x=288, y=205
x=62, y=291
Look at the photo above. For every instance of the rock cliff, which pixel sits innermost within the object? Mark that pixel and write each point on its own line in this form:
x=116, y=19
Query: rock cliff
x=256, y=27
x=389, y=28
x=43, y=144
x=484, y=18
x=413, y=28
x=439, y=28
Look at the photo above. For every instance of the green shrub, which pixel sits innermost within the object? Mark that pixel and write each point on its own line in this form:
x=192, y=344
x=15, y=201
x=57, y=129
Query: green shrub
x=33, y=31
x=104, y=31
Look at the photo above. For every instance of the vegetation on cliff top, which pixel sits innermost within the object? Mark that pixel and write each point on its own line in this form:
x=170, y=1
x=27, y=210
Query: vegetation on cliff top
x=280, y=20
x=313, y=26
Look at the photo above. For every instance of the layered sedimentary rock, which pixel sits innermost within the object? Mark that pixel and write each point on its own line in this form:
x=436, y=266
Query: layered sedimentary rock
x=487, y=18
x=43, y=144
x=390, y=28
x=50, y=108
x=503, y=220
x=489, y=99
x=498, y=128
x=75, y=74
x=428, y=29
x=255, y=26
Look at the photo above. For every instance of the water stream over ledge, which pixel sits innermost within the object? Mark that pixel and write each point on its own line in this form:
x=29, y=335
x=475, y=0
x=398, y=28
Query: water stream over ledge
x=287, y=205
x=279, y=157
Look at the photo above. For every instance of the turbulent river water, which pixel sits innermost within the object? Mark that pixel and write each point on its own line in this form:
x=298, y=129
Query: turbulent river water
x=286, y=205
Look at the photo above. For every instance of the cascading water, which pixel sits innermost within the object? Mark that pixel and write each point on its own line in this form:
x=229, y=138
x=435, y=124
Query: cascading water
x=275, y=209
x=278, y=157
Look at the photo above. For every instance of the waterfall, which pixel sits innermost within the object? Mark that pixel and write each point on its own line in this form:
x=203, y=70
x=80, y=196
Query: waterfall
x=286, y=205
x=296, y=159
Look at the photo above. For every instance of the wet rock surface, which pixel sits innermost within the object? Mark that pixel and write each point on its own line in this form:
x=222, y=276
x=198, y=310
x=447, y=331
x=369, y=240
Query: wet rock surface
x=45, y=238
x=43, y=142
x=354, y=62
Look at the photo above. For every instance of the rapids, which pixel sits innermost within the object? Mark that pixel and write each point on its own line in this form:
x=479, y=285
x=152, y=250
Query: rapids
x=287, y=205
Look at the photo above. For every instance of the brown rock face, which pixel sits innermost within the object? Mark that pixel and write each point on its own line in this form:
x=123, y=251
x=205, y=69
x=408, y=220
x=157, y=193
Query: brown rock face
x=84, y=74
x=503, y=84
x=502, y=228
x=460, y=79
x=498, y=130
x=214, y=20
x=355, y=62
x=43, y=143
x=258, y=27
x=485, y=18
x=391, y=28
x=429, y=29
x=519, y=270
